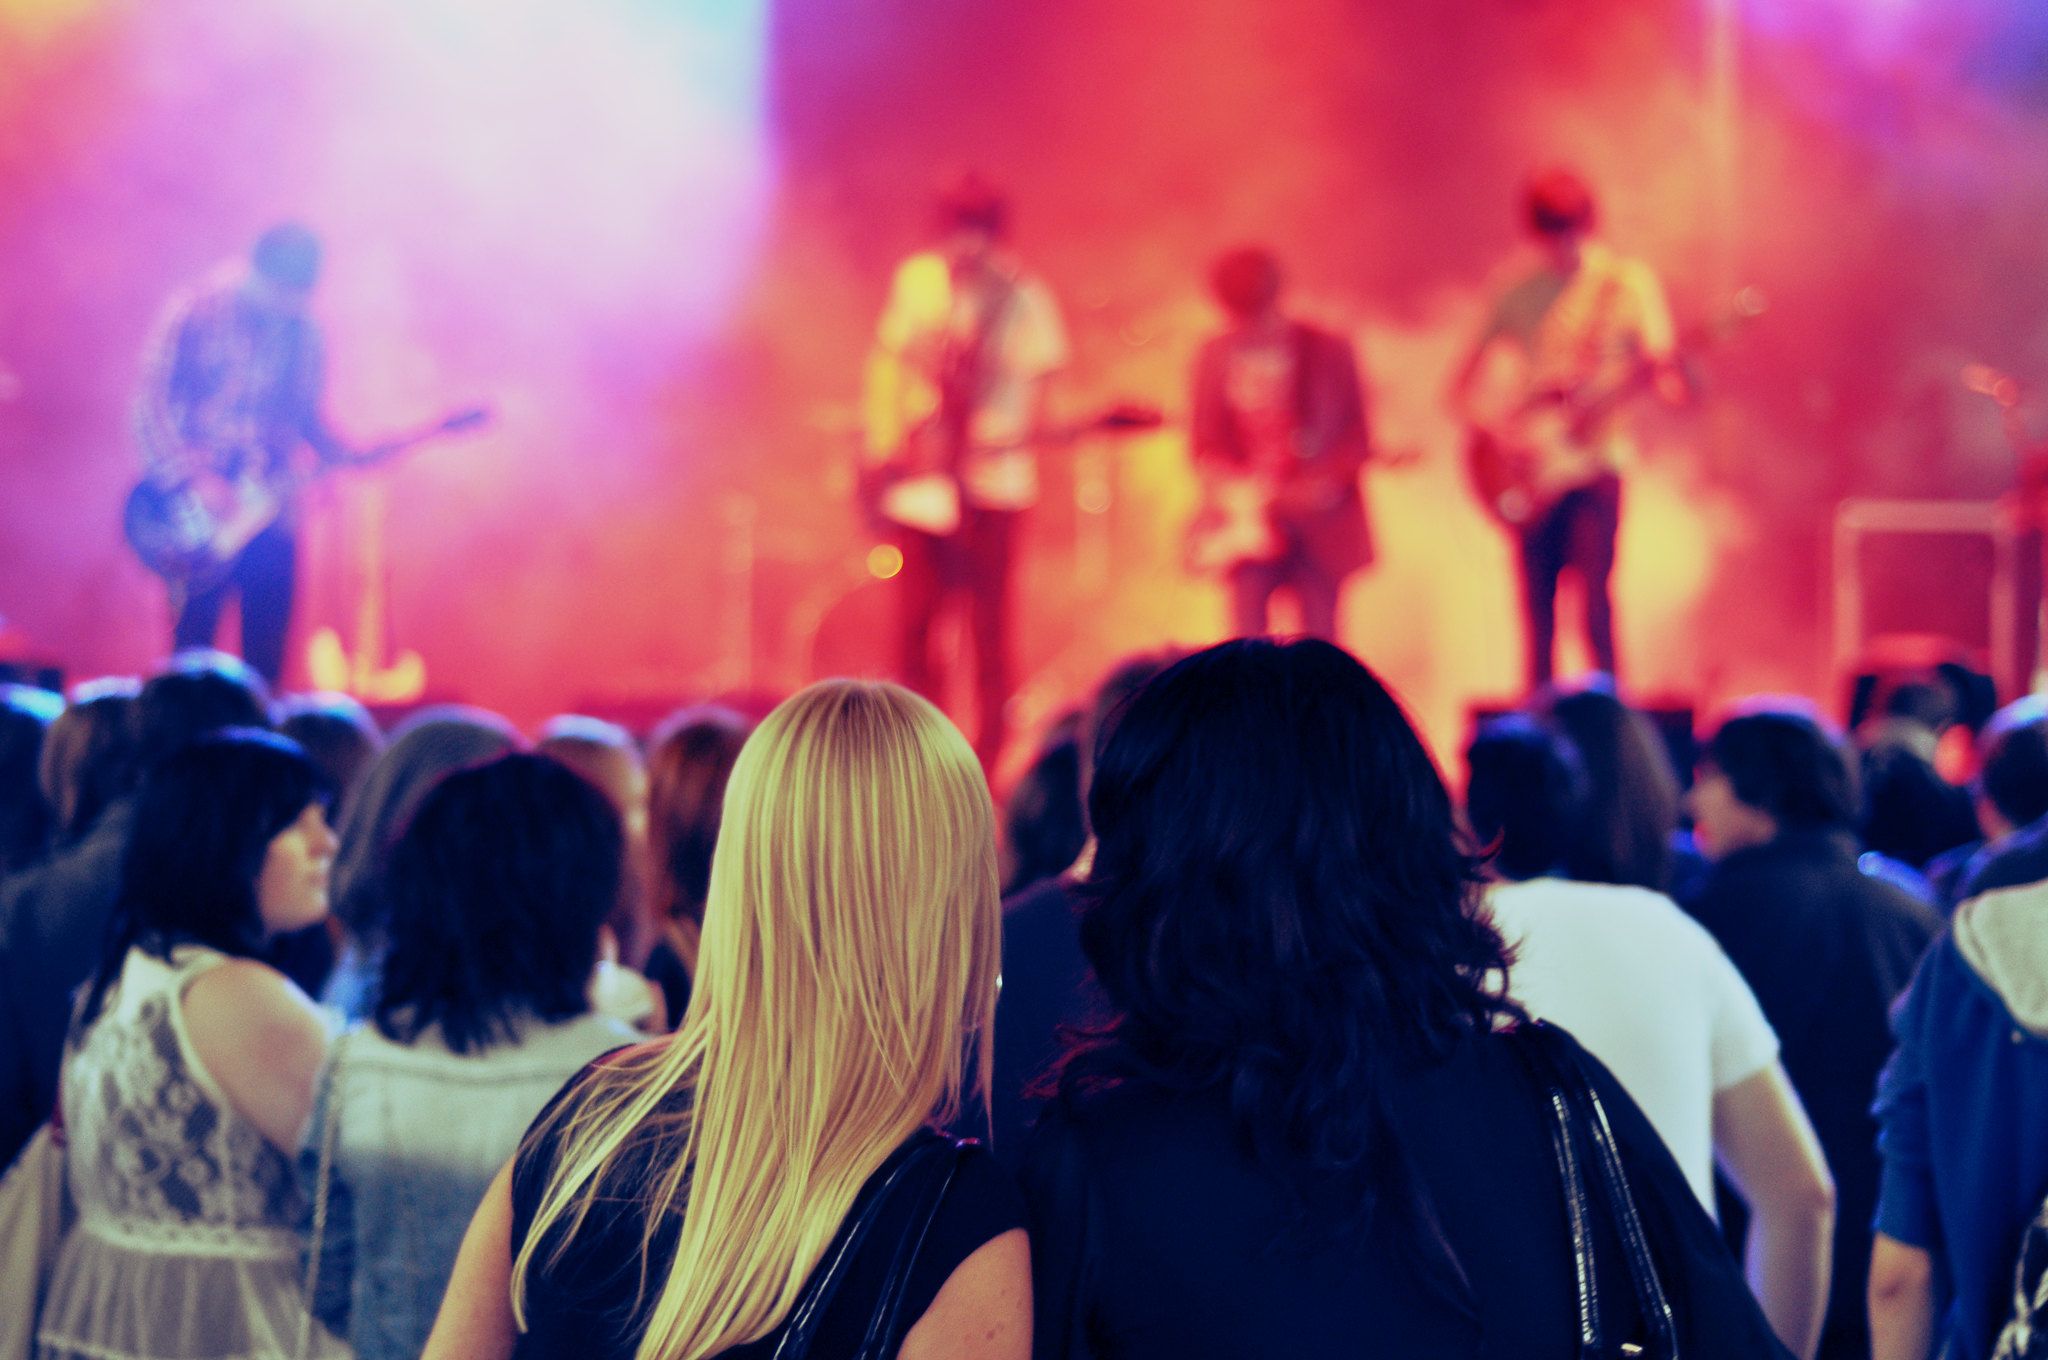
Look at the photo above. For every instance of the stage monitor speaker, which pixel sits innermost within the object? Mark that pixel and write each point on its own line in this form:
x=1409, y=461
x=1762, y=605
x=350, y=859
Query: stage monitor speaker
x=1958, y=579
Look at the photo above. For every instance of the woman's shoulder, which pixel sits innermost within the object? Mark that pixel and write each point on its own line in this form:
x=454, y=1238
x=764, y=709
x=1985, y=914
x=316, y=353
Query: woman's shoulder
x=248, y=1000
x=982, y=1200
x=535, y=1157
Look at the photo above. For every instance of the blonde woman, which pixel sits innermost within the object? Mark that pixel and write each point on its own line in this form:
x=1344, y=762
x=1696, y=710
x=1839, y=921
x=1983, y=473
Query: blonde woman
x=767, y=1181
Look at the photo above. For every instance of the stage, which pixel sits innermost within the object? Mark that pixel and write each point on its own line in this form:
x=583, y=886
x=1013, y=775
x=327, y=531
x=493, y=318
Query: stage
x=654, y=239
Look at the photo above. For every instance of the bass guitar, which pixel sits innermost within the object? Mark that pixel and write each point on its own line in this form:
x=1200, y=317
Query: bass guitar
x=917, y=490
x=189, y=529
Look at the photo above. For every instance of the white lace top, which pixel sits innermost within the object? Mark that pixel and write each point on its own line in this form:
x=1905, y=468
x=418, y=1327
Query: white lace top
x=187, y=1244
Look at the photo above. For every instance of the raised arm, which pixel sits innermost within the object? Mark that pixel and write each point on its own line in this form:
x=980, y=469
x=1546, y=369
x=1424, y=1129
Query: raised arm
x=1657, y=338
x=310, y=394
x=896, y=393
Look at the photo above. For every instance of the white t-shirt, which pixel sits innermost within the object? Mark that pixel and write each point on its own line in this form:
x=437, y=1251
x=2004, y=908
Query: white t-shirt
x=1648, y=992
x=1027, y=341
x=1583, y=332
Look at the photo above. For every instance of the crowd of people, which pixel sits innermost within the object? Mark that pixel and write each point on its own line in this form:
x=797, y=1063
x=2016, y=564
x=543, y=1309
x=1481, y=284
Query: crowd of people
x=1233, y=1032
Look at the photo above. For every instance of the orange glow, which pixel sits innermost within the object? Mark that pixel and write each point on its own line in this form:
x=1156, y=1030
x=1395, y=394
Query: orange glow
x=885, y=560
x=35, y=19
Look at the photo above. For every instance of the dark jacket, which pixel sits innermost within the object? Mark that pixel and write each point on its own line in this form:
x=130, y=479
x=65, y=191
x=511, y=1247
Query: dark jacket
x=1909, y=811
x=1156, y=1236
x=53, y=929
x=1963, y=1109
x=1047, y=985
x=1330, y=425
x=1826, y=948
x=2019, y=859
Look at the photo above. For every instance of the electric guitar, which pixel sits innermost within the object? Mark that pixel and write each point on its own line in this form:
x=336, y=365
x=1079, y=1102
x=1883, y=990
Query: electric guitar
x=189, y=529
x=1546, y=447
x=918, y=489
x=1242, y=514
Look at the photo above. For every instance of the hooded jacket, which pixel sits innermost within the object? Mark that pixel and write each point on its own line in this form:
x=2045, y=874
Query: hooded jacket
x=1962, y=1108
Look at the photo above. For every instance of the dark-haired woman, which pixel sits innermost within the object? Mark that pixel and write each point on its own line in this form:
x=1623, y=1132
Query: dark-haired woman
x=190, y=1073
x=689, y=764
x=1302, y=1133
x=498, y=889
x=26, y=714
x=430, y=745
x=1629, y=834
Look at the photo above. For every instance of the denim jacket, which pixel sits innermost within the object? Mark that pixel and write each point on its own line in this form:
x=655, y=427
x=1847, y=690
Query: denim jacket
x=418, y=1132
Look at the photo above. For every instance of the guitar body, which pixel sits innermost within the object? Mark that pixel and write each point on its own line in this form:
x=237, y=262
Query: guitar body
x=1550, y=445
x=915, y=490
x=189, y=533
x=1261, y=516
x=1521, y=469
x=1233, y=527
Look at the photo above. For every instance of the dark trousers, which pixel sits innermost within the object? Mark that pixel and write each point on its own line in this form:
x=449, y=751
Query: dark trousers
x=971, y=565
x=1253, y=585
x=1576, y=534
x=265, y=573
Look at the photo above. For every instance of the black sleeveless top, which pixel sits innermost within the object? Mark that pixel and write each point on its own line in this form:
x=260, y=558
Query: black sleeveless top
x=589, y=1305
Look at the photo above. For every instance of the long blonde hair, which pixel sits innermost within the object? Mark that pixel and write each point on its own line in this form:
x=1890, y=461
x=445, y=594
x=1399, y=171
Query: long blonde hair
x=849, y=955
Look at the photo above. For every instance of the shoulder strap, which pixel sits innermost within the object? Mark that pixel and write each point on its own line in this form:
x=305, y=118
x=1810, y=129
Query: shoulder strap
x=1583, y=1142
x=931, y=1160
x=965, y=377
x=886, y=1328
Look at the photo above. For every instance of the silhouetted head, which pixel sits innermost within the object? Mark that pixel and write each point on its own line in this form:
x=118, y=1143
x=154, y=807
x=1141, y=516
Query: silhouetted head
x=1561, y=214
x=1246, y=283
x=971, y=219
x=1768, y=772
x=286, y=260
x=1524, y=797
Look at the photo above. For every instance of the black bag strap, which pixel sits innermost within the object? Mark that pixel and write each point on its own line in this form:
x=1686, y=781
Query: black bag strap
x=925, y=1171
x=1580, y=1134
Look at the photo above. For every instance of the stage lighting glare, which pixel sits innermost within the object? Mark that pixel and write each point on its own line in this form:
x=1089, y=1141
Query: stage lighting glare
x=885, y=560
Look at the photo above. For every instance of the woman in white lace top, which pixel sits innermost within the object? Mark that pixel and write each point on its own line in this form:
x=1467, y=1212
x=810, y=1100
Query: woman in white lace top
x=190, y=1073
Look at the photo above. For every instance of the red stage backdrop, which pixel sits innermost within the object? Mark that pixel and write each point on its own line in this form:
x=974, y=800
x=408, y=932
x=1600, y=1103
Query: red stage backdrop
x=655, y=236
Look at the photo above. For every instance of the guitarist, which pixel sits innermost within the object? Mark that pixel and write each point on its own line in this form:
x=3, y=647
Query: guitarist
x=232, y=388
x=956, y=393
x=1584, y=315
x=1279, y=414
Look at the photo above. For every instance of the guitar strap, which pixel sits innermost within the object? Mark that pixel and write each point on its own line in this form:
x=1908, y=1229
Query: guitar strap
x=964, y=380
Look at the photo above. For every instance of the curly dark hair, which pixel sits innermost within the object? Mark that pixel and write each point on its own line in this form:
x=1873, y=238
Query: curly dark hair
x=1281, y=911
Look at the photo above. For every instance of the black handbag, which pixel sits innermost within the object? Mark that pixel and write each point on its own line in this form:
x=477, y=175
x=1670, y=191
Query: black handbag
x=921, y=1176
x=1596, y=1184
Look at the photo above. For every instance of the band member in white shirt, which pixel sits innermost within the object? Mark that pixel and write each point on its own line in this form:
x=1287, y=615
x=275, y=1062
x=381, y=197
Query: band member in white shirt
x=956, y=393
